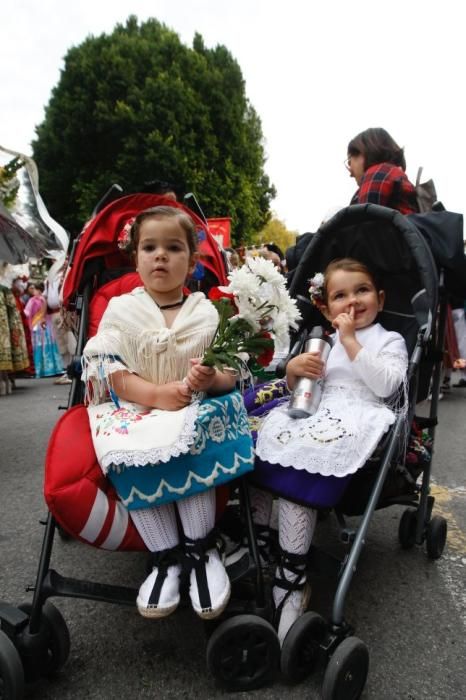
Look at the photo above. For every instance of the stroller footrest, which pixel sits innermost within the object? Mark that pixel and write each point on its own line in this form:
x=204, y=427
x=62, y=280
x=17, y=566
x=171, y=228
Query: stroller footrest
x=56, y=585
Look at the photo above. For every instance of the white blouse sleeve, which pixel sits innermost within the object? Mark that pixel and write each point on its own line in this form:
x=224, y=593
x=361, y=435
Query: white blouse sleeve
x=383, y=371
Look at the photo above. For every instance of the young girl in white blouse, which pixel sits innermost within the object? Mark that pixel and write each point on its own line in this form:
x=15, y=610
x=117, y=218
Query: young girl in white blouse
x=306, y=460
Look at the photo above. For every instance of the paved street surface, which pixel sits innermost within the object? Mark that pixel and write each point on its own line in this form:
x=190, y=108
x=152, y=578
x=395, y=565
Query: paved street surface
x=410, y=611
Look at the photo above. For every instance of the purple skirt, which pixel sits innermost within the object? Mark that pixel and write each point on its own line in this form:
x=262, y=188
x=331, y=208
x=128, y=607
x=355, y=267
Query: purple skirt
x=296, y=485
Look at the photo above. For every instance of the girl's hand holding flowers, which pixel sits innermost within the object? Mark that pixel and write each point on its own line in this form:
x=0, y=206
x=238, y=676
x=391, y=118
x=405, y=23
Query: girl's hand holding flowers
x=200, y=377
x=254, y=310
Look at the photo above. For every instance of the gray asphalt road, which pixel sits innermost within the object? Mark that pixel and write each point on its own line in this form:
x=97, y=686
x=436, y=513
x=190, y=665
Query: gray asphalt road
x=410, y=611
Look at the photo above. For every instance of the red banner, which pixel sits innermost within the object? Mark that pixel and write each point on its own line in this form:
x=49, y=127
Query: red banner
x=220, y=230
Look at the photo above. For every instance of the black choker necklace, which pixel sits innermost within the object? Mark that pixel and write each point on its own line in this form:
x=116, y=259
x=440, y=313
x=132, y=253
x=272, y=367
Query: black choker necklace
x=171, y=306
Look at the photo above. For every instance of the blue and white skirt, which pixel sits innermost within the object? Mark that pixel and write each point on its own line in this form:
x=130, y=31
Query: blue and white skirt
x=222, y=450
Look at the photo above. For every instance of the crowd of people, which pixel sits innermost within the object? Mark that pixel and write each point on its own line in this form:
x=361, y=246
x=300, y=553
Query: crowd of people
x=34, y=341
x=133, y=387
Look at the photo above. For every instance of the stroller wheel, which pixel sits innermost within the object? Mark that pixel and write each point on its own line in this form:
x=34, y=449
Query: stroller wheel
x=57, y=637
x=301, y=647
x=346, y=673
x=407, y=528
x=243, y=653
x=436, y=537
x=11, y=670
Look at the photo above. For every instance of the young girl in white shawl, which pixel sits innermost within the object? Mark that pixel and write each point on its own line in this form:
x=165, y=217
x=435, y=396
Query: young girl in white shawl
x=308, y=461
x=157, y=440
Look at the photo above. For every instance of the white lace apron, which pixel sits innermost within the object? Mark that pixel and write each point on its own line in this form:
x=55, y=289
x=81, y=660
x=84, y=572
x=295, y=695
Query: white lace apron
x=351, y=419
x=133, y=336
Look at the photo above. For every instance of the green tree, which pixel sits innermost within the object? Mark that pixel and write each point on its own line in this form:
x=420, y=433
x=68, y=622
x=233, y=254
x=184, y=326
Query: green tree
x=138, y=105
x=9, y=183
x=276, y=232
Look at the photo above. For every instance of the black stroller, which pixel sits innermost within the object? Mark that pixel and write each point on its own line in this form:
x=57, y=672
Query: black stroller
x=398, y=251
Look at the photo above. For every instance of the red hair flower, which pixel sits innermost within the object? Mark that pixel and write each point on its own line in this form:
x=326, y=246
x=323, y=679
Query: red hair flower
x=124, y=237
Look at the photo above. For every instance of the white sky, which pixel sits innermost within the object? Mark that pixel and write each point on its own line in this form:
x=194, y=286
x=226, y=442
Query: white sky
x=317, y=73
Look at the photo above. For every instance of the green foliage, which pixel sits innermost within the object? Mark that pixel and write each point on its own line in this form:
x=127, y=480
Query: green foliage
x=233, y=337
x=9, y=183
x=138, y=105
x=276, y=232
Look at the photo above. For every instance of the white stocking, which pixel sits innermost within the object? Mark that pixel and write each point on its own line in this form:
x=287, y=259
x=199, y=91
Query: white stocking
x=261, y=505
x=296, y=525
x=157, y=526
x=197, y=514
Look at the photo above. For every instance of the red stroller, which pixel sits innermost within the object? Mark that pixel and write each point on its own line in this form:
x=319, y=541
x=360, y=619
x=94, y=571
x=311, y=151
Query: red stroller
x=34, y=638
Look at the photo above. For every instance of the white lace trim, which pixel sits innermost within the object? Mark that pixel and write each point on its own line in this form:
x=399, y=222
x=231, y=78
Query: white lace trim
x=141, y=458
x=191, y=477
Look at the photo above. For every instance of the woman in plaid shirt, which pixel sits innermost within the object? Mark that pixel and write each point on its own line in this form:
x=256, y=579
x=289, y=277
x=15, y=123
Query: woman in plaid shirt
x=378, y=165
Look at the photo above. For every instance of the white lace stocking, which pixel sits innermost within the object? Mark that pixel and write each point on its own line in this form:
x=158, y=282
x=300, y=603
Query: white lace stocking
x=296, y=525
x=261, y=505
x=157, y=526
x=197, y=514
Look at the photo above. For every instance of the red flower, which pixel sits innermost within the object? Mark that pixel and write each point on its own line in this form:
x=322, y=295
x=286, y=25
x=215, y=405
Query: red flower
x=215, y=294
x=266, y=356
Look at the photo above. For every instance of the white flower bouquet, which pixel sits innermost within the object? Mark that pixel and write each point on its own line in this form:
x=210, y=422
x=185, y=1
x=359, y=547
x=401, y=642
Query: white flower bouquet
x=255, y=311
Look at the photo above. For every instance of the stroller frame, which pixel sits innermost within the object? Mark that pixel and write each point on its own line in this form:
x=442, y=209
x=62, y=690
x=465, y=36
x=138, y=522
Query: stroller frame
x=312, y=641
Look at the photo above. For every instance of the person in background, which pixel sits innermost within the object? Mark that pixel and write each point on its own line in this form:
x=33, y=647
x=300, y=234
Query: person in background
x=274, y=248
x=162, y=187
x=18, y=289
x=272, y=256
x=13, y=351
x=378, y=165
x=28, y=292
x=66, y=341
x=232, y=257
x=455, y=346
x=47, y=359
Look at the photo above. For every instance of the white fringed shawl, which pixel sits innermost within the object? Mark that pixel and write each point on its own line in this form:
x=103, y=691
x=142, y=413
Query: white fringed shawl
x=133, y=336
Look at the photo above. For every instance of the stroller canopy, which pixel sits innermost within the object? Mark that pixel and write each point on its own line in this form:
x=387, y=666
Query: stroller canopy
x=99, y=239
x=392, y=247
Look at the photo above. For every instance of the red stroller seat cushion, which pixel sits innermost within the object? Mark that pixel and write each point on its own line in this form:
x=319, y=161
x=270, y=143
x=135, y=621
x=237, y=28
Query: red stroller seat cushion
x=79, y=496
